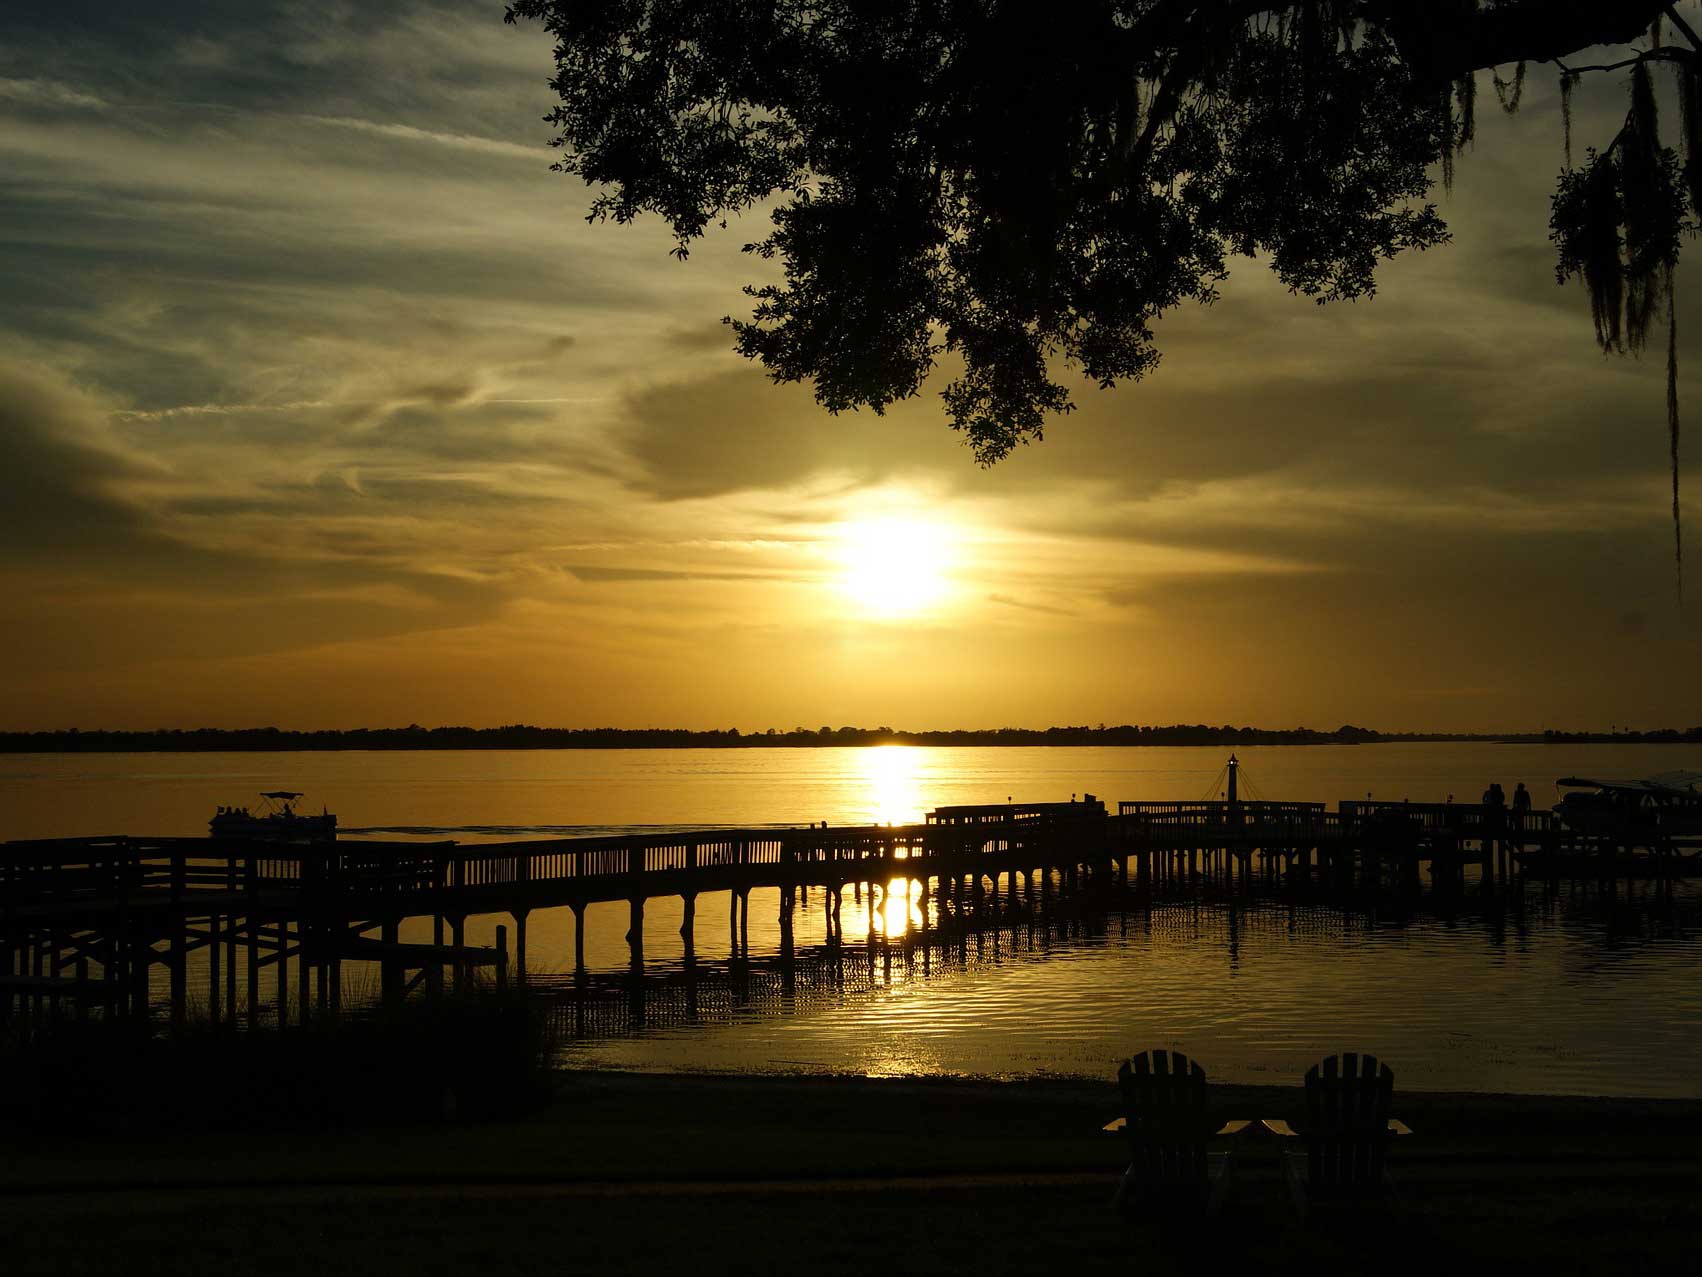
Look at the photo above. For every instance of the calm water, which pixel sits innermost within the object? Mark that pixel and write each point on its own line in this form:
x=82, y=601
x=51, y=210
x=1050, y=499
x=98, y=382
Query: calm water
x=1561, y=991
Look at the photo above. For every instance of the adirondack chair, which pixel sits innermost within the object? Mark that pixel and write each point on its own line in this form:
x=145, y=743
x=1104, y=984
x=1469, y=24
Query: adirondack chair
x=1346, y=1135
x=1167, y=1125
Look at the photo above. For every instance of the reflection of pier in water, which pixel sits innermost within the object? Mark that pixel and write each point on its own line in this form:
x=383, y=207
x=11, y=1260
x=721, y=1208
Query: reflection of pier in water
x=89, y=921
x=998, y=930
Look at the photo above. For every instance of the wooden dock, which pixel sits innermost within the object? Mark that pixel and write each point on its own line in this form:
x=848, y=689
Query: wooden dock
x=86, y=923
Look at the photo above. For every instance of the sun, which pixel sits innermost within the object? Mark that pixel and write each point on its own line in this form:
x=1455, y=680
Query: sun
x=893, y=567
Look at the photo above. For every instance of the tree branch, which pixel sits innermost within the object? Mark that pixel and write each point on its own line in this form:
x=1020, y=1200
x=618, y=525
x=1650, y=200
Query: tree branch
x=1683, y=26
x=1652, y=55
x=1443, y=40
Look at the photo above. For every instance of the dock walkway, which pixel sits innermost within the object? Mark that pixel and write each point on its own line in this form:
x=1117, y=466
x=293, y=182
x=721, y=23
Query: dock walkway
x=89, y=920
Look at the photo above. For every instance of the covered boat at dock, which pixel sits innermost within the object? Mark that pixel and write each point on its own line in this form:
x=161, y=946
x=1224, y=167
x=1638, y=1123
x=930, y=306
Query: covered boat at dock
x=1649, y=827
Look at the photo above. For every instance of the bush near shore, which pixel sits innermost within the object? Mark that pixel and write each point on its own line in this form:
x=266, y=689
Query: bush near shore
x=479, y=1054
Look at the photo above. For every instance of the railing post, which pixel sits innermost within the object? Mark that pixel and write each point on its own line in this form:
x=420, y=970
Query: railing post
x=252, y=920
x=179, y=947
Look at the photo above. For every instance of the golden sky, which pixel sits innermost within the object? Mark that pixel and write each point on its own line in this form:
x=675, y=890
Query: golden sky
x=322, y=406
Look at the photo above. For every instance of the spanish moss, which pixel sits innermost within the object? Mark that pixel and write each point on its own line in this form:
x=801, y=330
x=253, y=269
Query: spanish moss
x=1446, y=129
x=1466, y=92
x=1672, y=429
x=1690, y=129
x=1509, y=94
x=1568, y=81
x=1646, y=210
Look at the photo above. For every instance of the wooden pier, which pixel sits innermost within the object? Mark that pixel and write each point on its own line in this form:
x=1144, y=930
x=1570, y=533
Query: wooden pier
x=85, y=924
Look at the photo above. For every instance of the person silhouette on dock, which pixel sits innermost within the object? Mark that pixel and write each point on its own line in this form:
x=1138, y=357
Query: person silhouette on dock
x=1521, y=812
x=1494, y=810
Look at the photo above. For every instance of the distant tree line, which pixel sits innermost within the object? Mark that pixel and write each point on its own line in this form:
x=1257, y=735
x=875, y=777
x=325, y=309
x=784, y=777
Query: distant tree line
x=1662, y=736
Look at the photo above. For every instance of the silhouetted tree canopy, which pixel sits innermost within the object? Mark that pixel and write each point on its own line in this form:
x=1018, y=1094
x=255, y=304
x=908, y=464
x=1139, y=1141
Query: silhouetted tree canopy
x=1024, y=187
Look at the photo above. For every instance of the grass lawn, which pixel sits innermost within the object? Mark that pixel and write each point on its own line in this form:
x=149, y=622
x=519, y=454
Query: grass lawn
x=630, y=1173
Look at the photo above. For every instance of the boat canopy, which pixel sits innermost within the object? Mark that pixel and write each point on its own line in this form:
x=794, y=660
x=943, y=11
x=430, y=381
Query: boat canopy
x=280, y=793
x=1677, y=782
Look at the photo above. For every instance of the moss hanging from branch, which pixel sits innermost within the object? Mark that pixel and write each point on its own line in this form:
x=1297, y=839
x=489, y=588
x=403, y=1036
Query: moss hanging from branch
x=1672, y=429
x=1509, y=94
x=1616, y=223
x=1690, y=129
x=1584, y=225
x=1447, y=132
x=1568, y=82
x=1651, y=208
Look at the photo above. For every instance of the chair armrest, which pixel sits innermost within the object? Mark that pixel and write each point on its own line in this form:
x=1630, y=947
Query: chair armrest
x=1276, y=1126
x=1117, y=1125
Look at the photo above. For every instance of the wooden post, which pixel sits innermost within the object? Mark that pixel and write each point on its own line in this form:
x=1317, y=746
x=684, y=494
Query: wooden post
x=786, y=907
x=392, y=979
x=179, y=954
x=304, y=982
x=458, y=939
x=434, y=972
x=334, y=968
x=578, y=908
x=283, y=971
x=519, y=916
x=635, y=935
x=251, y=917
x=230, y=957
x=502, y=959
x=688, y=928
x=213, y=967
x=578, y=943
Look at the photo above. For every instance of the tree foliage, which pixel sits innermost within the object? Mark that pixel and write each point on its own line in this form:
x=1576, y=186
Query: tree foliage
x=1010, y=190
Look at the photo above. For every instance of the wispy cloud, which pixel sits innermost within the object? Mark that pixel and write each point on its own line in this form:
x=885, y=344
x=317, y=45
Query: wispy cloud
x=407, y=132
x=47, y=93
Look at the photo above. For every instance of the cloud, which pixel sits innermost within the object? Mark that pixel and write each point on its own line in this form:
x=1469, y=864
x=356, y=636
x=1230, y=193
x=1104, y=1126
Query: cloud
x=733, y=431
x=47, y=93
x=89, y=549
x=593, y=574
x=340, y=364
x=408, y=133
x=57, y=468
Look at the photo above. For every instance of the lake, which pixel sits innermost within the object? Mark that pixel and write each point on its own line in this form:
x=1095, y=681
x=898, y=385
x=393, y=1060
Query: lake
x=1563, y=990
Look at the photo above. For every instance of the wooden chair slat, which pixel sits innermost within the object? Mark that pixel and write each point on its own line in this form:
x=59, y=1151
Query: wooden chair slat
x=1167, y=1124
x=1347, y=1124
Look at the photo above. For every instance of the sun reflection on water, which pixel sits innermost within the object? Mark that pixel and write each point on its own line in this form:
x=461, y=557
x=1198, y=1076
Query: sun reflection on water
x=900, y=908
x=892, y=782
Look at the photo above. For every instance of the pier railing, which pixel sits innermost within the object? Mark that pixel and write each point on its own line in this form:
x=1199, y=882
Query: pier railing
x=117, y=869
x=106, y=868
x=1464, y=820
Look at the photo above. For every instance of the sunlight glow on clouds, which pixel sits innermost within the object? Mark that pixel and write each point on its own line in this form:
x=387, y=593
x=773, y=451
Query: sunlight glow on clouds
x=893, y=567
x=352, y=419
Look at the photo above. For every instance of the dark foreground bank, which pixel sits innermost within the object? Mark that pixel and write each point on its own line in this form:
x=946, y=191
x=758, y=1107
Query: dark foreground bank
x=635, y=1173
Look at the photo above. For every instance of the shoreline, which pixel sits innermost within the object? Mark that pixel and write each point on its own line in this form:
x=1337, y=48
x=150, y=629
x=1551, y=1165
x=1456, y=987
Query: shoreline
x=606, y=1126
